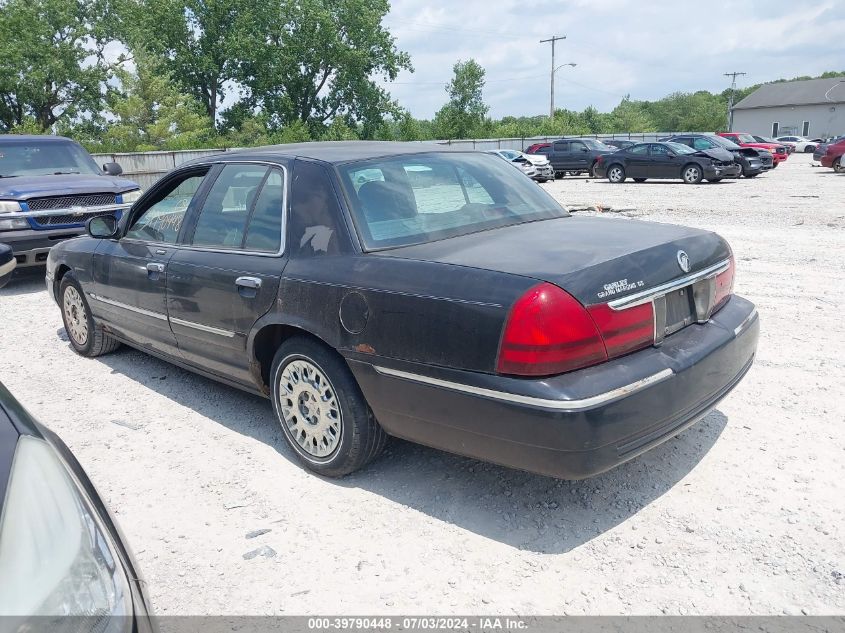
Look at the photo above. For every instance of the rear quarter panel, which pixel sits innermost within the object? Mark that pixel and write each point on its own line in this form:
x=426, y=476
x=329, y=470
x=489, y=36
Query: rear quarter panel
x=424, y=312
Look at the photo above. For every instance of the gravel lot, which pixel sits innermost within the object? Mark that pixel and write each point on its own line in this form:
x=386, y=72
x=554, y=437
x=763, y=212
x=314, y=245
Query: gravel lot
x=741, y=514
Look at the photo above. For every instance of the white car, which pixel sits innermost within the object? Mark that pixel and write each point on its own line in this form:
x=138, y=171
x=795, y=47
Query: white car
x=800, y=143
x=542, y=169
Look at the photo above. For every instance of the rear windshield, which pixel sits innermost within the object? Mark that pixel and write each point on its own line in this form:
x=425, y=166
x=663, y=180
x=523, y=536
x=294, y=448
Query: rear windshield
x=40, y=158
x=420, y=198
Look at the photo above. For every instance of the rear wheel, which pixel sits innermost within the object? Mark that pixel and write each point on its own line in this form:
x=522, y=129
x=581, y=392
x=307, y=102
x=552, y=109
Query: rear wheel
x=714, y=180
x=616, y=174
x=86, y=335
x=809, y=149
x=639, y=179
x=322, y=411
x=691, y=174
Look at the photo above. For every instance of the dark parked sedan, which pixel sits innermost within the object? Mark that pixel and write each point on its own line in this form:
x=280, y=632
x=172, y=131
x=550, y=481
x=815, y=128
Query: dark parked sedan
x=667, y=161
x=752, y=161
x=434, y=294
x=63, y=563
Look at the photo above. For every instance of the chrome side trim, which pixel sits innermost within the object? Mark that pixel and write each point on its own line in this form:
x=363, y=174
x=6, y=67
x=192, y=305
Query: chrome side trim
x=118, y=304
x=557, y=405
x=204, y=328
x=748, y=321
x=645, y=296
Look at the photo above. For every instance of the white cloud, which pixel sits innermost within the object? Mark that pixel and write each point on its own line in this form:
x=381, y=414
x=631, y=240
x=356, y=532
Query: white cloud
x=621, y=47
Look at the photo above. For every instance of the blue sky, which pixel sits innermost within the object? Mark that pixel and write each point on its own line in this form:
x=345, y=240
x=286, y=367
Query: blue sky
x=644, y=48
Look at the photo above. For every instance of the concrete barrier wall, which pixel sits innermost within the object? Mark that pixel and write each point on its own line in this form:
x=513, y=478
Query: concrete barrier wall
x=147, y=167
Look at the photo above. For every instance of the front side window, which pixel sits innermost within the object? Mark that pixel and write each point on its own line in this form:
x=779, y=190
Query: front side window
x=659, y=150
x=224, y=214
x=428, y=197
x=577, y=146
x=161, y=221
x=562, y=146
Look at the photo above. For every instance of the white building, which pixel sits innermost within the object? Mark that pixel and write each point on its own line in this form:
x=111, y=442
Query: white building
x=813, y=108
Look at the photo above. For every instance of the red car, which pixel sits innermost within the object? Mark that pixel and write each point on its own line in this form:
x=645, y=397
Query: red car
x=743, y=139
x=833, y=156
x=532, y=149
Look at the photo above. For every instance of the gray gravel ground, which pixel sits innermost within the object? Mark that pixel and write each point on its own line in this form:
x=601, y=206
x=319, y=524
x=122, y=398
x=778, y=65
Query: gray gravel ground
x=741, y=514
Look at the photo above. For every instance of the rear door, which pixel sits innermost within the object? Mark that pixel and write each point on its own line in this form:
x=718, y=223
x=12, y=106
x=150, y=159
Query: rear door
x=225, y=274
x=129, y=274
x=637, y=161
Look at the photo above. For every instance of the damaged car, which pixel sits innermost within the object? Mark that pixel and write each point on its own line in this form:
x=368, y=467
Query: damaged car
x=672, y=161
x=435, y=294
x=752, y=161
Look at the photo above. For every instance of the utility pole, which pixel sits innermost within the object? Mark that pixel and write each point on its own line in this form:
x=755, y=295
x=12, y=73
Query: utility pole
x=733, y=77
x=553, y=39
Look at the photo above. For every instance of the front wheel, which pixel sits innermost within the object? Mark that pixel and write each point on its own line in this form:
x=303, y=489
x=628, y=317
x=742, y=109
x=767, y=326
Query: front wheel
x=838, y=167
x=85, y=334
x=322, y=411
x=692, y=174
x=616, y=174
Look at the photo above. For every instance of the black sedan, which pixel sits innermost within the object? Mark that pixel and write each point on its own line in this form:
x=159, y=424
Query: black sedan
x=63, y=563
x=752, y=161
x=667, y=161
x=430, y=293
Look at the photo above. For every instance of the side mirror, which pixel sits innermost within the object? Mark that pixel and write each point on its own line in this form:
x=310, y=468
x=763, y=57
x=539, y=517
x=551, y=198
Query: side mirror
x=102, y=227
x=112, y=169
x=584, y=149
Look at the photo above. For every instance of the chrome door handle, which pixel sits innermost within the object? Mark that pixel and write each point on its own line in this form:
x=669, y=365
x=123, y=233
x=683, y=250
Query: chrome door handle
x=155, y=267
x=248, y=282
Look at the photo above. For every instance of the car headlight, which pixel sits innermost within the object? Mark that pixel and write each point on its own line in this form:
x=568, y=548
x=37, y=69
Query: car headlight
x=55, y=557
x=11, y=224
x=132, y=196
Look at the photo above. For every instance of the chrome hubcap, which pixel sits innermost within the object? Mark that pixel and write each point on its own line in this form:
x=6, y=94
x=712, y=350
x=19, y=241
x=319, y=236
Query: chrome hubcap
x=75, y=317
x=691, y=174
x=309, y=408
x=615, y=174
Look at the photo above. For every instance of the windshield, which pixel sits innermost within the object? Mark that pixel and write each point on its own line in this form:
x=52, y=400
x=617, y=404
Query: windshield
x=40, y=158
x=746, y=138
x=592, y=144
x=420, y=198
x=721, y=140
x=679, y=148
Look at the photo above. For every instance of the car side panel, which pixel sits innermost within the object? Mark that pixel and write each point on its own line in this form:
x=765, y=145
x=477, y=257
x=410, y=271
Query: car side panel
x=425, y=312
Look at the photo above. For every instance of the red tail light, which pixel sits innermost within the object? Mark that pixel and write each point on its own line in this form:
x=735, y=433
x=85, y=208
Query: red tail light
x=625, y=330
x=724, y=286
x=548, y=332
x=599, y=159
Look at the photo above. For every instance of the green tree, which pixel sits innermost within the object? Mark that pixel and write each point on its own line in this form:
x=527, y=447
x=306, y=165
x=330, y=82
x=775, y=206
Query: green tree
x=51, y=68
x=151, y=113
x=199, y=41
x=314, y=61
x=465, y=112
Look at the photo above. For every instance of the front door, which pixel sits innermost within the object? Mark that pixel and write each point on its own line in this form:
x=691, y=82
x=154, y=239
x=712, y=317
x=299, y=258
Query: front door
x=225, y=275
x=579, y=156
x=130, y=273
x=663, y=163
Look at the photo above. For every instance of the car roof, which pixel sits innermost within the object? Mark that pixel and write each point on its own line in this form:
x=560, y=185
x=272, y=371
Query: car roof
x=28, y=138
x=334, y=152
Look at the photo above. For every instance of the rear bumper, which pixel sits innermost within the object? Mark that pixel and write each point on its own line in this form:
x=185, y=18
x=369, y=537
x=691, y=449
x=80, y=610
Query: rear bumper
x=574, y=425
x=827, y=160
x=31, y=247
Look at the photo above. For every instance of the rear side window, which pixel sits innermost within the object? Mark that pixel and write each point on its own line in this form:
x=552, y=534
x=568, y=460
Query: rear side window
x=316, y=224
x=639, y=150
x=224, y=214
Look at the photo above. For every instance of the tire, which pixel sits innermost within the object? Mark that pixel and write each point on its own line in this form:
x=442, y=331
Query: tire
x=616, y=173
x=691, y=174
x=640, y=179
x=838, y=167
x=560, y=174
x=86, y=335
x=751, y=175
x=809, y=149
x=321, y=409
x=592, y=171
x=714, y=180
